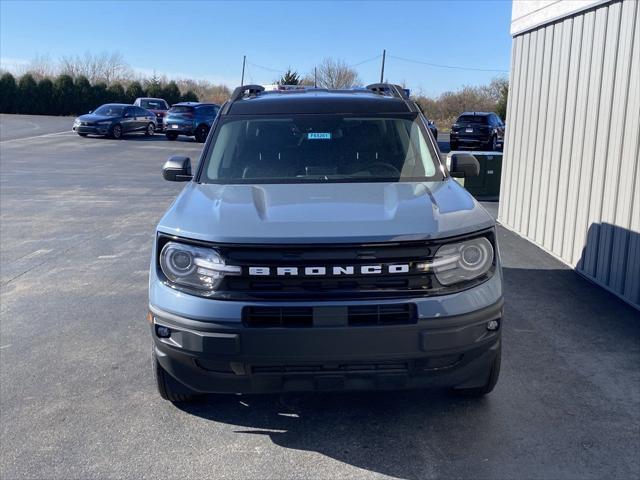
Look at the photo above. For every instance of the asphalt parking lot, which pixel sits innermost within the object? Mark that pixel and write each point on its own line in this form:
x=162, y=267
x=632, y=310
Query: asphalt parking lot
x=77, y=397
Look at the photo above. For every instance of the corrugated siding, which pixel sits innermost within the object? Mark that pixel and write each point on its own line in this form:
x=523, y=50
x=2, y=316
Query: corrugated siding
x=571, y=179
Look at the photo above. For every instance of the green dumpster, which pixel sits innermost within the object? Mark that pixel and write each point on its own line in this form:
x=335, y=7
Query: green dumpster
x=485, y=186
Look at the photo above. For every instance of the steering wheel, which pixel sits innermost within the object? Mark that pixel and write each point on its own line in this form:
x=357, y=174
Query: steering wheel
x=376, y=168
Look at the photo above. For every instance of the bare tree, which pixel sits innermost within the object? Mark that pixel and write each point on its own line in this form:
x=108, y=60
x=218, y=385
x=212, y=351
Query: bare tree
x=336, y=74
x=445, y=108
x=40, y=67
x=102, y=67
x=206, y=91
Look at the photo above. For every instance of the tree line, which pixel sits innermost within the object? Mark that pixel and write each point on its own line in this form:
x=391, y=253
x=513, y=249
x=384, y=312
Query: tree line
x=66, y=95
x=75, y=85
x=445, y=108
x=442, y=109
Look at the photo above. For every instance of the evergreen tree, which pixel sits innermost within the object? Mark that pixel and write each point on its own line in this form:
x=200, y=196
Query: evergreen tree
x=99, y=94
x=46, y=104
x=84, y=96
x=171, y=93
x=189, y=96
x=8, y=91
x=154, y=87
x=134, y=90
x=289, y=78
x=64, y=93
x=501, y=106
x=27, y=94
x=115, y=92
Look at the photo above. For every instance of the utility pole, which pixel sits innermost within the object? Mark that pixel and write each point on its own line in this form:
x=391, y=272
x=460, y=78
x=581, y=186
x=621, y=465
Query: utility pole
x=244, y=59
x=384, y=55
x=315, y=77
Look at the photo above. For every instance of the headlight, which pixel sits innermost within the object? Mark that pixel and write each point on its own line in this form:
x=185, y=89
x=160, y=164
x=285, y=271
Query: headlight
x=76, y=121
x=198, y=268
x=462, y=261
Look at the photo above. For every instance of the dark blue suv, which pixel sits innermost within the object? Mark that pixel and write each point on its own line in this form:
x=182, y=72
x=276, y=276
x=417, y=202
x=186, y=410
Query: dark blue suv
x=192, y=119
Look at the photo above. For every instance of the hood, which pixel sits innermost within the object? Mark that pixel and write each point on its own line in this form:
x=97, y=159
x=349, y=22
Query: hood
x=324, y=213
x=92, y=117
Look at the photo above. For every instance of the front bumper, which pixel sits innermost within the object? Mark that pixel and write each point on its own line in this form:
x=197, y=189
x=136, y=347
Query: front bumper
x=89, y=129
x=473, y=141
x=225, y=357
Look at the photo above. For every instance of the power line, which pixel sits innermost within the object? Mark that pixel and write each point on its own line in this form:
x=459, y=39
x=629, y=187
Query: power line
x=267, y=68
x=454, y=67
x=365, y=61
x=277, y=70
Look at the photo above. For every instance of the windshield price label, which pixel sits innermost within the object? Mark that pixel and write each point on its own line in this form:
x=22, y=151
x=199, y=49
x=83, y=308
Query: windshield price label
x=319, y=136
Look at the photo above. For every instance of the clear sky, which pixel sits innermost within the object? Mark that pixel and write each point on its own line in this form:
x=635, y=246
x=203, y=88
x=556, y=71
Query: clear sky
x=206, y=39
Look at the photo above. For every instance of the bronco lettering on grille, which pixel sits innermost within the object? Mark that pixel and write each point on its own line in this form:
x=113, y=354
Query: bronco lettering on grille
x=332, y=270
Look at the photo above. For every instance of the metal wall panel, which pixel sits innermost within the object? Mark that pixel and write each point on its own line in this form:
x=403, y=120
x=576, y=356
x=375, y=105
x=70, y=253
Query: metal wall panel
x=570, y=177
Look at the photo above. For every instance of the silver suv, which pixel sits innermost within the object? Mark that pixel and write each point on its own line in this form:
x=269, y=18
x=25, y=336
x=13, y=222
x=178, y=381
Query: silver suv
x=322, y=244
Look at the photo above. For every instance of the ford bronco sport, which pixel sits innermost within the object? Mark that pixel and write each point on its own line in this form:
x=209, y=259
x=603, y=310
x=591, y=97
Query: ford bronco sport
x=321, y=244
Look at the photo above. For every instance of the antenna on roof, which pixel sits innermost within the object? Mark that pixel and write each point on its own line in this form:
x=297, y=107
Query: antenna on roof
x=384, y=55
x=244, y=60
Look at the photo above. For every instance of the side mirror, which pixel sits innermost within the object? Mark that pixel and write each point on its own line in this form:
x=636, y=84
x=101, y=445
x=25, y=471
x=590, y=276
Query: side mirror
x=177, y=169
x=464, y=165
x=90, y=111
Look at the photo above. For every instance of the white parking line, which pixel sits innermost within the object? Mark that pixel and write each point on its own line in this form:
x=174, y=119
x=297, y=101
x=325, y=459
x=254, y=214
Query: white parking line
x=36, y=136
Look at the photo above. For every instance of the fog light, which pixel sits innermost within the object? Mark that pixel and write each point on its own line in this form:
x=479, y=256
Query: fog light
x=493, y=325
x=163, y=332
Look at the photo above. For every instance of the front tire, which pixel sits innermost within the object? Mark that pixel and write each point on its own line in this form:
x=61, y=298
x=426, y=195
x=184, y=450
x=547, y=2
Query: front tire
x=116, y=131
x=150, y=130
x=201, y=133
x=168, y=387
x=453, y=146
x=492, y=380
x=171, y=136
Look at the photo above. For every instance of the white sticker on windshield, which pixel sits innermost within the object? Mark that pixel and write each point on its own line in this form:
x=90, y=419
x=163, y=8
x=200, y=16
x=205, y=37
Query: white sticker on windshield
x=319, y=136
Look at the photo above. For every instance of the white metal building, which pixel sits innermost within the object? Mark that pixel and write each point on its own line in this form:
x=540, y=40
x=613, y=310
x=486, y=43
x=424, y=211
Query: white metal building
x=571, y=179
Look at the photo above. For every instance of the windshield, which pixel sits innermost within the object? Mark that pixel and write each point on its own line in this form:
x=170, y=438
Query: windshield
x=153, y=104
x=320, y=148
x=482, y=119
x=110, y=110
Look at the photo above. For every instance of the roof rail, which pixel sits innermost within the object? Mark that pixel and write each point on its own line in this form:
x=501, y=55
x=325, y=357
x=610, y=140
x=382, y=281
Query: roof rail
x=396, y=91
x=240, y=92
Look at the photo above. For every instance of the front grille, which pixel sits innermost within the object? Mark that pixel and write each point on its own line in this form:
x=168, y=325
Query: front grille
x=388, y=284
x=278, y=316
x=371, y=367
x=355, y=316
x=392, y=314
x=355, y=285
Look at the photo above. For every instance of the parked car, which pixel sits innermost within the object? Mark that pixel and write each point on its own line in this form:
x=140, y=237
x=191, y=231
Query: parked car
x=115, y=120
x=321, y=244
x=192, y=119
x=481, y=130
x=433, y=128
x=158, y=106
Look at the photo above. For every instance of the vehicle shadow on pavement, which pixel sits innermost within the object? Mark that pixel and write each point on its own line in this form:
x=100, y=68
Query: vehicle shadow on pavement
x=393, y=433
x=158, y=137
x=568, y=393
